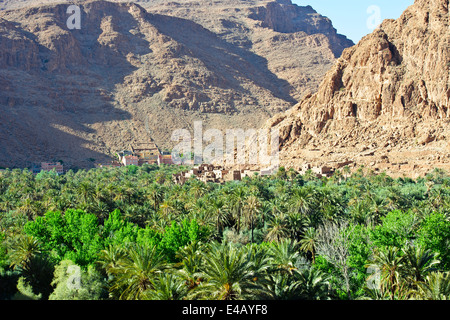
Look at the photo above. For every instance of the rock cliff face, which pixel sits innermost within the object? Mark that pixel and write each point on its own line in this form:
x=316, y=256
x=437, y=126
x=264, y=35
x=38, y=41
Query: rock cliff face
x=135, y=72
x=385, y=102
x=283, y=16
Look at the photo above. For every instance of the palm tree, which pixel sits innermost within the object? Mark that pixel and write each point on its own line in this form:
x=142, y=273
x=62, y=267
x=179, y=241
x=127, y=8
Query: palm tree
x=36, y=268
x=346, y=172
x=130, y=191
x=219, y=209
x=167, y=286
x=197, y=188
x=275, y=206
x=86, y=190
x=337, y=176
x=266, y=211
x=261, y=260
x=309, y=241
x=27, y=207
x=418, y=262
x=166, y=207
x=281, y=286
x=238, y=197
x=435, y=287
x=7, y=202
x=155, y=194
x=120, y=194
x=277, y=228
x=361, y=211
x=305, y=284
x=136, y=273
x=390, y=263
x=296, y=223
x=394, y=199
x=100, y=193
x=328, y=203
x=191, y=258
x=38, y=273
x=284, y=256
x=101, y=210
x=111, y=258
x=252, y=209
x=314, y=284
x=291, y=174
x=228, y=274
x=23, y=251
x=378, y=208
x=301, y=200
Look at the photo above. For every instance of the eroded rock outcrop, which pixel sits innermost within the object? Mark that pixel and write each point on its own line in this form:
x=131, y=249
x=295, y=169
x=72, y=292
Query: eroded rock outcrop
x=389, y=94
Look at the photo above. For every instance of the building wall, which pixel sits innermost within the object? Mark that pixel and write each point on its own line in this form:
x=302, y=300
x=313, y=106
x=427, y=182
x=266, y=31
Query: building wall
x=49, y=166
x=130, y=160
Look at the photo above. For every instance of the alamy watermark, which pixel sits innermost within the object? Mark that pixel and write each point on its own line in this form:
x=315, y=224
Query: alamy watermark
x=226, y=147
x=74, y=20
x=374, y=20
x=373, y=280
x=74, y=279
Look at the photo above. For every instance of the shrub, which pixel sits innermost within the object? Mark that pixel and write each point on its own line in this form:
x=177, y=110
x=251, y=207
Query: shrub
x=396, y=229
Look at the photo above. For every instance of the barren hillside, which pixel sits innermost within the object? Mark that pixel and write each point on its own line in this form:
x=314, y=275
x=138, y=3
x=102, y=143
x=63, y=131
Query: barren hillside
x=384, y=104
x=134, y=73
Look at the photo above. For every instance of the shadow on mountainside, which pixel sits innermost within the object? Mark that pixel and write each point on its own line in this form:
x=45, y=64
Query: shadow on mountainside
x=47, y=109
x=235, y=62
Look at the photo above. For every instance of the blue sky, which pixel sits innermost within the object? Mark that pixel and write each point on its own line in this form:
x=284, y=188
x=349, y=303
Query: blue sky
x=355, y=18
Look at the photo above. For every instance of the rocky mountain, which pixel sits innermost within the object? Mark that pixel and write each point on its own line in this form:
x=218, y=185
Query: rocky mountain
x=137, y=71
x=384, y=104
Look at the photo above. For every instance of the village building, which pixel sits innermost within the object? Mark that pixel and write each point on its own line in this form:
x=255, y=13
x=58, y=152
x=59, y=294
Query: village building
x=130, y=160
x=165, y=159
x=144, y=153
x=305, y=168
x=211, y=173
x=249, y=173
x=35, y=168
x=323, y=171
x=147, y=153
x=218, y=173
x=231, y=175
x=113, y=164
x=49, y=166
x=319, y=171
x=269, y=171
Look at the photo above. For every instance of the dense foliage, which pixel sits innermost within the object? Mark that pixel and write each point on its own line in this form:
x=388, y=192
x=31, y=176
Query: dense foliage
x=131, y=233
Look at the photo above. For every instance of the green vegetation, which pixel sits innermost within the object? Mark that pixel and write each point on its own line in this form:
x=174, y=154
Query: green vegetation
x=131, y=233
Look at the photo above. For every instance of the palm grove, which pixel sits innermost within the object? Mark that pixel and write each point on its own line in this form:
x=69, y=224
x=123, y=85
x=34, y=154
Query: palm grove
x=131, y=233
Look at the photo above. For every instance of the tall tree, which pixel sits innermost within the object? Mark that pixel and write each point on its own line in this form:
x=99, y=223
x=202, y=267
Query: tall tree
x=277, y=228
x=228, y=274
x=252, y=209
x=390, y=263
x=137, y=272
x=309, y=242
x=333, y=244
x=284, y=256
x=238, y=197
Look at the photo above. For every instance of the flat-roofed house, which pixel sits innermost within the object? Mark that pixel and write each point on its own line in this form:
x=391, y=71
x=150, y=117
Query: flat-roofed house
x=322, y=171
x=130, y=160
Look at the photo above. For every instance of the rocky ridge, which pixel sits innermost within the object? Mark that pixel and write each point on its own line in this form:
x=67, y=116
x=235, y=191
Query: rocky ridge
x=383, y=105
